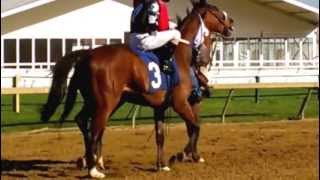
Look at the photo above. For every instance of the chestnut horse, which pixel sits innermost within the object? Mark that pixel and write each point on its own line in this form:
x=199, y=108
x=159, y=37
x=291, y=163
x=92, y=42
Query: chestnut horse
x=110, y=75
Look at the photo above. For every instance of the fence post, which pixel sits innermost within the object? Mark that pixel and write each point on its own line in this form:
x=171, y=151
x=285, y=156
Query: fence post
x=135, y=114
x=305, y=101
x=223, y=114
x=257, y=93
x=16, y=97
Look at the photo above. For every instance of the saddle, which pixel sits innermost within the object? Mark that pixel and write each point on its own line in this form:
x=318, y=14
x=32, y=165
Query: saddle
x=165, y=53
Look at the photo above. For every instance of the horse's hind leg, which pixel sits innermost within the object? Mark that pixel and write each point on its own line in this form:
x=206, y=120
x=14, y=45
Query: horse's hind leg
x=104, y=109
x=82, y=119
x=159, y=119
x=99, y=148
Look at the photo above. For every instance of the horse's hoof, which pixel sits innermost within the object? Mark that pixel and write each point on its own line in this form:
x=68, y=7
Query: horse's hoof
x=165, y=168
x=201, y=160
x=100, y=163
x=81, y=163
x=94, y=173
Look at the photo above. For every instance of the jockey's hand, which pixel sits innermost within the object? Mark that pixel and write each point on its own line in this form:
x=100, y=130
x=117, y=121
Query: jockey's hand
x=176, y=37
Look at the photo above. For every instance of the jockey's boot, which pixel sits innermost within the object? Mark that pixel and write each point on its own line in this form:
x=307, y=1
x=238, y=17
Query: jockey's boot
x=167, y=66
x=196, y=95
x=203, y=81
x=205, y=91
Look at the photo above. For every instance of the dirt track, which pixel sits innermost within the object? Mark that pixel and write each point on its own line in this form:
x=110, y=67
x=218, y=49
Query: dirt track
x=274, y=150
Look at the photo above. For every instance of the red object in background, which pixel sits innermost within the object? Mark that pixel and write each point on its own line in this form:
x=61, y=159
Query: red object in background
x=163, y=16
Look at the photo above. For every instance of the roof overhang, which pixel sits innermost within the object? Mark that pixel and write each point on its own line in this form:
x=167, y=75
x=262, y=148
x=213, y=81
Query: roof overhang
x=24, y=7
x=294, y=8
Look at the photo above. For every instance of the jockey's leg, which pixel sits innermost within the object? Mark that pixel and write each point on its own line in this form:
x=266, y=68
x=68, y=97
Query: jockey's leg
x=196, y=94
x=203, y=82
x=158, y=41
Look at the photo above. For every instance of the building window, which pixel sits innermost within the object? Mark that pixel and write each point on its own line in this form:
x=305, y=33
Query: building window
x=243, y=50
x=227, y=50
x=41, y=50
x=10, y=51
x=25, y=50
x=307, y=49
x=55, y=50
x=100, y=42
x=115, y=41
x=70, y=43
x=86, y=43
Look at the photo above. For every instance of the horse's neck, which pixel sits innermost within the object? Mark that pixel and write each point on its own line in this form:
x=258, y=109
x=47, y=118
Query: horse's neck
x=188, y=32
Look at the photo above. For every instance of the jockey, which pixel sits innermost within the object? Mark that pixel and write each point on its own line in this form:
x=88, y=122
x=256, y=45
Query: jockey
x=150, y=30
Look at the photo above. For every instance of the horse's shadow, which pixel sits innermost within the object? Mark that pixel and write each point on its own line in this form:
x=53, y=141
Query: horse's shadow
x=29, y=165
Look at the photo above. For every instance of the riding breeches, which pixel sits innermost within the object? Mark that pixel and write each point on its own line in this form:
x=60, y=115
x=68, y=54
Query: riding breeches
x=149, y=42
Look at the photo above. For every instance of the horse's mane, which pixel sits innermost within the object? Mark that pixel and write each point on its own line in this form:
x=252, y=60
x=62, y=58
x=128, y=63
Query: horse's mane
x=195, y=6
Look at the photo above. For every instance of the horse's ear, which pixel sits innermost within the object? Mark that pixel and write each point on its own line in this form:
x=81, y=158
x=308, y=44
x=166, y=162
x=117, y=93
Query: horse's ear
x=199, y=2
x=188, y=11
x=179, y=20
x=203, y=2
x=193, y=2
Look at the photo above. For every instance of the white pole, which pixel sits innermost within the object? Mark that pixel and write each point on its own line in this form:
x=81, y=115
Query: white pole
x=2, y=52
x=301, y=52
x=315, y=44
x=236, y=53
x=286, y=53
x=93, y=43
x=48, y=53
x=63, y=46
x=17, y=54
x=221, y=54
x=261, y=58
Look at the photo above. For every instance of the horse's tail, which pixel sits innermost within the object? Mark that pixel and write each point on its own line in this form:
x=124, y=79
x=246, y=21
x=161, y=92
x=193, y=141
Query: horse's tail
x=71, y=96
x=59, y=82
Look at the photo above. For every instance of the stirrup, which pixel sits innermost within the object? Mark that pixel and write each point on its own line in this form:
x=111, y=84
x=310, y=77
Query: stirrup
x=167, y=67
x=205, y=91
x=196, y=95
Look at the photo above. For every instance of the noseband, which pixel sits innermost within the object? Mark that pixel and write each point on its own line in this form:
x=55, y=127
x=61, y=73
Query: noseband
x=199, y=49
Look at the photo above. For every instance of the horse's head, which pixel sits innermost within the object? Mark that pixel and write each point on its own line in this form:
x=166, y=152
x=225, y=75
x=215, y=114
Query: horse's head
x=215, y=21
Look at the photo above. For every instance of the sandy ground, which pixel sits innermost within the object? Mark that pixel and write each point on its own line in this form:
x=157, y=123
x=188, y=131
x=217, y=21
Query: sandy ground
x=271, y=150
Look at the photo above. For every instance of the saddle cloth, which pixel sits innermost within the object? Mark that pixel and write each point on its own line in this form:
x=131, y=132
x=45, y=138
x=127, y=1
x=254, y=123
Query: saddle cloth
x=157, y=79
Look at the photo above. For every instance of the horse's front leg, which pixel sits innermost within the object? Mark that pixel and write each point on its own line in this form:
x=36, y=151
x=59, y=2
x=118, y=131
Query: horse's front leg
x=194, y=133
x=159, y=120
x=189, y=115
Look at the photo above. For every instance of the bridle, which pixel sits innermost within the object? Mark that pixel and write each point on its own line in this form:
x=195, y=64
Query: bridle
x=203, y=27
x=223, y=22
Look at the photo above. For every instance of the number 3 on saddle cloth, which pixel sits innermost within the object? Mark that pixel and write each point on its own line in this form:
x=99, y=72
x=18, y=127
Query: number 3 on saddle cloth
x=158, y=80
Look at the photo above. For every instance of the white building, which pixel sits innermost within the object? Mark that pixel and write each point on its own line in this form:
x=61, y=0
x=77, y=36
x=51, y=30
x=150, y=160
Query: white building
x=272, y=38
